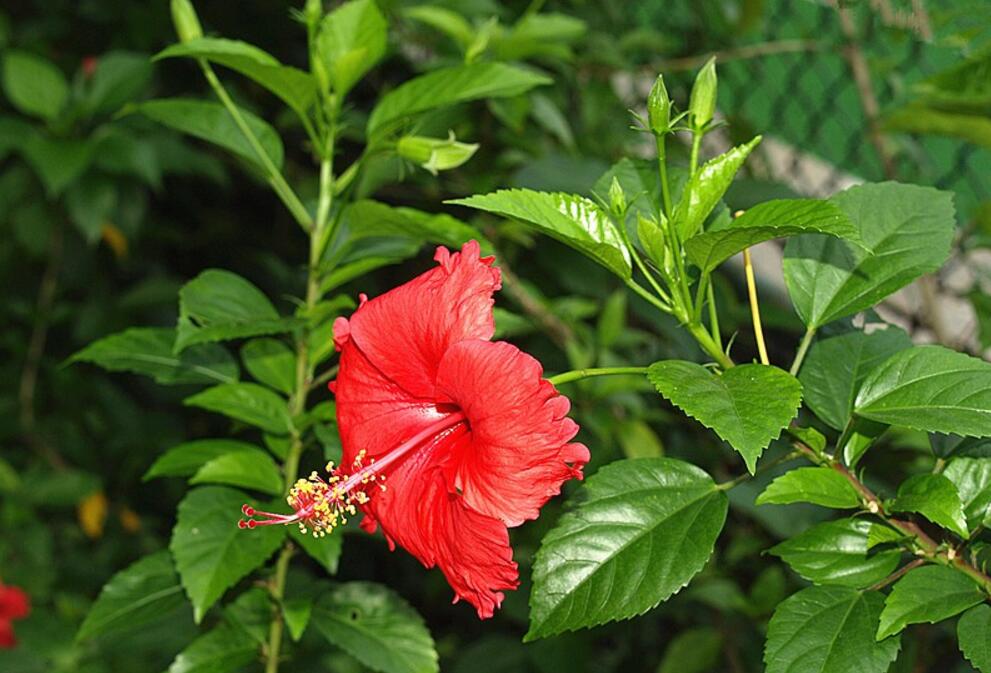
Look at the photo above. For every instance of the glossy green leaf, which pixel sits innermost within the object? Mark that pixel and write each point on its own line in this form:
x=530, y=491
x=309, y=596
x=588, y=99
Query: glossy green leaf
x=33, y=85
x=224, y=649
x=246, y=402
x=449, y=86
x=253, y=469
x=219, y=305
x=828, y=630
x=835, y=369
x=817, y=485
x=640, y=531
x=974, y=636
x=934, y=497
x=377, y=627
x=185, y=459
x=211, y=122
x=148, y=351
x=707, y=187
x=972, y=477
x=573, y=220
x=906, y=230
x=747, y=406
x=296, y=88
x=927, y=594
x=145, y=592
x=930, y=388
x=211, y=553
x=771, y=219
x=271, y=362
x=351, y=40
x=836, y=552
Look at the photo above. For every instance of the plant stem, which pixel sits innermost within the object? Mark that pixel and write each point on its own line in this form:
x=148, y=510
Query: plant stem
x=662, y=168
x=748, y=268
x=897, y=575
x=714, y=317
x=803, y=348
x=746, y=476
x=709, y=345
x=632, y=284
x=579, y=374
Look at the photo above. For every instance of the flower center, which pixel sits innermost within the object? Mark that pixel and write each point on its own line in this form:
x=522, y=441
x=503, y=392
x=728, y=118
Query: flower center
x=321, y=505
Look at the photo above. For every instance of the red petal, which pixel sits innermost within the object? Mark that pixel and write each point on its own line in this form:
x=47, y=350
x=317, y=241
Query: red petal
x=519, y=451
x=14, y=603
x=7, y=639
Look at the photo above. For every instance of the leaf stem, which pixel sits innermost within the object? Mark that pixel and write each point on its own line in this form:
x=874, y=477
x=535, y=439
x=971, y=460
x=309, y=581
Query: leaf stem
x=714, y=317
x=709, y=345
x=662, y=168
x=897, y=575
x=639, y=289
x=579, y=374
x=748, y=268
x=803, y=348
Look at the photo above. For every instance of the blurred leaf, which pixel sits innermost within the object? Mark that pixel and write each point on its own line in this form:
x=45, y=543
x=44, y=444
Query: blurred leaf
x=148, y=351
x=324, y=550
x=638, y=440
x=550, y=117
x=223, y=649
x=252, y=469
x=747, y=406
x=91, y=202
x=351, y=41
x=972, y=477
x=146, y=591
x=704, y=191
x=119, y=78
x=818, y=485
x=57, y=161
x=187, y=458
x=612, y=319
x=376, y=627
x=828, y=630
x=974, y=635
x=640, y=531
x=539, y=35
x=34, y=85
x=446, y=21
x=923, y=119
x=211, y=553
x=246, y=402
x=934, y=497
x=271, y=362
x=692, y=651
x=927, y=594
x=367, y=218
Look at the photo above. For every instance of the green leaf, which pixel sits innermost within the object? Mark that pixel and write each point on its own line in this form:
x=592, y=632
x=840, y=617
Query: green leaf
x=211, y=122
x=707, y=187
x=271, y=362
x=446, y=21
x=352, y=39
x=449, y=86
x=219, y=305
x=224, y=649
x=828, y=630
x=818, y=485
x=692, y=651
x=974, y=636
x=324, y=550
x=185, y=459
x=771, y=219
x=366, y=218
x=91, y=202
x=906, y=230
x=640, y=531
x=246, y=402
x=835, y=369
x=148, y=351
x=835, y=552
x=143, y=593
x=58, y=161
x=924, y=119
x=296, y=88
x=934, y=497
x=376, y=627
x=928, y=594
x=33, y=85
x=252, y=469
x=571, y=219
x=120, y=77
x=972, y=477
x=747, y=406
x=211, y=553
x=930, y=388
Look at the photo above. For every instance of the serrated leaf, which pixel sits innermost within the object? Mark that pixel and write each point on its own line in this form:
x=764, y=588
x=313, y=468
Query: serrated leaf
x=33, y=85
x=271, y=362
x=246, y=402
x=828, y=630
x=835, y=552
x=972, y=477
x=376, y=627
x=224, y=649
x=817, y=485
x=211, y=553
x=449, y=86
x=906, y=230
x=324, y=550
x=927, y=594
x=144, y=592
x=571, y=219
x=835, y=369
x=747, y=406
x=149, y=351
x=765, y=221
x=640, y=531
x=211, y=122
x=219, y=305
x=707, y=187
x=934, y=497
x=930, y=388
x=296, y=88
x=183, y=460
x=974, y=636
x=252, y=469
x=350, y=41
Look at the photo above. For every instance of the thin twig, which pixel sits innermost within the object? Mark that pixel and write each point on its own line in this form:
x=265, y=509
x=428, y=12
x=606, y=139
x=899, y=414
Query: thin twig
x=897, y=575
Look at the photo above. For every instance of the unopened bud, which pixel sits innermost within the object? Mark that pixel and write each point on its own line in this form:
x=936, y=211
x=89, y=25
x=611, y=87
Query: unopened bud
x=659, y=107
x=702, y=105
x=617, y=198
x=435, y=154
x=187, y=24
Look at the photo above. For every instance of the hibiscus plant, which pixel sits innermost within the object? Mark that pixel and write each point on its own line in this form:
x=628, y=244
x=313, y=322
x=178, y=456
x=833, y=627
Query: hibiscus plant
x=443, y=437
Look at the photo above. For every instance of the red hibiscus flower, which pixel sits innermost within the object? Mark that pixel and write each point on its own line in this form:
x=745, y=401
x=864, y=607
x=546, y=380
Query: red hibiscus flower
x=14, y=604
x=452, y=438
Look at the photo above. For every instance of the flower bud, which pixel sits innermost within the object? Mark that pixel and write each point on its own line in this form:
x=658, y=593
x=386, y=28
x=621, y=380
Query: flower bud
x=435, y=154
x=617, y=198
x=659, y=107
x=702, y=105
x=187, y=25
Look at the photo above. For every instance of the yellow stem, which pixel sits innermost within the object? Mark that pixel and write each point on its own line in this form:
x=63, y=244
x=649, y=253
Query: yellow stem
x=748, y=268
